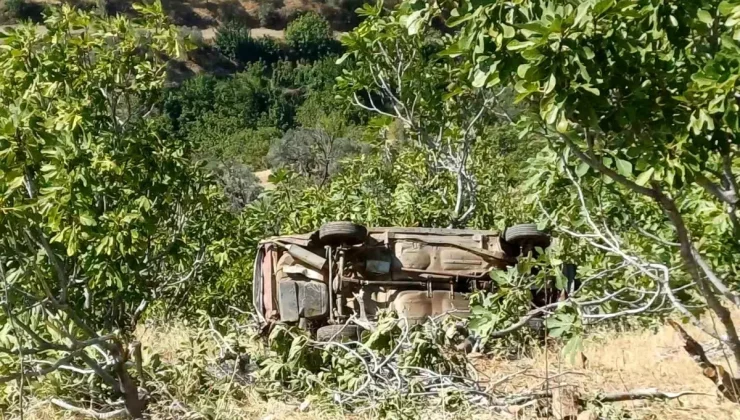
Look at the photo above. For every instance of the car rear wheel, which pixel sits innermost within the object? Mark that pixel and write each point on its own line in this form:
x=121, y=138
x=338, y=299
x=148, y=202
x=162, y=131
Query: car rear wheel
x=346, y=233
x=338, y=333
x=537, y=324
x=527, y=234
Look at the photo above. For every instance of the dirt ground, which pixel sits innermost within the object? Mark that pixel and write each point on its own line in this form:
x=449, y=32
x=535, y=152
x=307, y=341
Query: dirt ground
x=263, y=176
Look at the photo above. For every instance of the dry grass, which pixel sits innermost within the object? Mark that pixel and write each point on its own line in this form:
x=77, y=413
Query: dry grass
x=618, y=362
x=622, y=361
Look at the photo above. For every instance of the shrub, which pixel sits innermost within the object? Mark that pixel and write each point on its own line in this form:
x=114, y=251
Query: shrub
x=268, y=14
x=235, y=41
x=190, y=101
x=318, y=75
x=310, y=37
x=239, y=184
x=193, y=34
x=246, y=146
x=231, y=39
x=342, y=15
x=268, y=49
x=15, y=8
x=312, y=152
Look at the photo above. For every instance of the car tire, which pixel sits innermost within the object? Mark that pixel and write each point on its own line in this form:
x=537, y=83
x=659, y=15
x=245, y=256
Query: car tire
x=537, y=324
x=345, y=233
x=527, y=234
x=538, y=327
x=338, y=333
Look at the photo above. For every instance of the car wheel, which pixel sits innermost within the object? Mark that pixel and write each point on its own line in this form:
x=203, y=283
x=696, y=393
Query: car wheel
x=527, y=234
x=338, y=333
x=537, y=324
x=347, y=233
x=538, y=327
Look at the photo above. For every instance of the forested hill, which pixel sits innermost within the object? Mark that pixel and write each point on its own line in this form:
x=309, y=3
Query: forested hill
x=268, y=14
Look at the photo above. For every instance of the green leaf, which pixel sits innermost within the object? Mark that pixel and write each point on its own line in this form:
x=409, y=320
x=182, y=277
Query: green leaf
x=87, y=220
x=591, y=89
x=624, y=167
x=726, y=8
x=14, y=184
x=573, y=347
x=508, y=31
x=551, y=84
x=562, y=125
x=414, y=22
x=341, y=59
x=459, y=20
x=588, y=53
x=644, y=177
x=521, y=71
x=582, y=169
x=517, y=45
x=705, y=17
x=480, y=78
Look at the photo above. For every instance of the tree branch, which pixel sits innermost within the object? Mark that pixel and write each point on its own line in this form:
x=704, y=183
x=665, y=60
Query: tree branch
x=89, y=413
x=642, y=394
x=597, y=165
x=728, y=386
x=725, y=196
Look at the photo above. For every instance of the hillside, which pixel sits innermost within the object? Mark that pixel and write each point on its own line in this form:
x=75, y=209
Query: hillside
x=267, y=14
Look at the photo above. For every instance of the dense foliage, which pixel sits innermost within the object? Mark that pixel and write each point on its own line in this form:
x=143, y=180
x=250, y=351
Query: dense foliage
x=642, y=97
x=102, y=217
x=310, y=37
x=235, y=41
x=613, y=124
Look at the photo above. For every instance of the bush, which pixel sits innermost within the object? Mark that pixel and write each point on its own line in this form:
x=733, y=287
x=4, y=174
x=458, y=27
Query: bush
x=268, y=49
x=342, y=15
x=239, y=184
x=235, y=41
x=319, y=75
x=231, y=38
x=310, y=37
x=193, y=34
x=246, y=146
x=268, y=14
x=312, y=152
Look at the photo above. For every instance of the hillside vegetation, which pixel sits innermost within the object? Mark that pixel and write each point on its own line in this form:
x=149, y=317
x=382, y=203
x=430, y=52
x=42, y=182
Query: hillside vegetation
x=130, y=210
x=270, y=14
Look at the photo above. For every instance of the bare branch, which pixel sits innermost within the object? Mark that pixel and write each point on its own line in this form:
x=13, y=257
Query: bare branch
x=725, y=196
x=40, y=372
x=642, y=394
x=89, y=413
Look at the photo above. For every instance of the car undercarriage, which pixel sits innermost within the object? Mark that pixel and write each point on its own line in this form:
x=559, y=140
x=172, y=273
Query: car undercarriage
x=320, y=279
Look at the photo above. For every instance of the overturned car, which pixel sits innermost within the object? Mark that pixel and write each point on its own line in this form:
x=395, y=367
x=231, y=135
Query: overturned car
x=320, y=279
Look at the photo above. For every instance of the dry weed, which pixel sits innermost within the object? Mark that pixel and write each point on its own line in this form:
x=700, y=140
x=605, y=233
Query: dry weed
x=614, y=361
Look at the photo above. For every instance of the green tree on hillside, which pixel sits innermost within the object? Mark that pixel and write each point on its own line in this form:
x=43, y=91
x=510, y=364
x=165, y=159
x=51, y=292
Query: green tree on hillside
x=397, y=72
x=640, y=101
x=310, y=37
x=101, y=217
